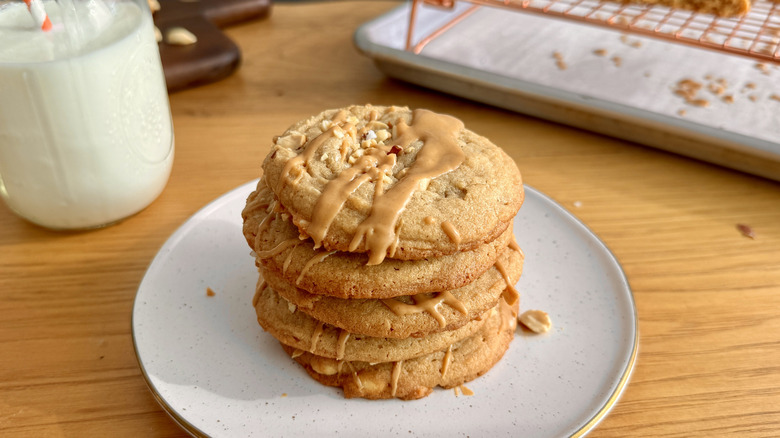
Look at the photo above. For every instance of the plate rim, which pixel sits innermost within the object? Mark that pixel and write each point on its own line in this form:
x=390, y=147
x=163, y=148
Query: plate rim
x=631, y=363
x=173, y=237
x=215, y=203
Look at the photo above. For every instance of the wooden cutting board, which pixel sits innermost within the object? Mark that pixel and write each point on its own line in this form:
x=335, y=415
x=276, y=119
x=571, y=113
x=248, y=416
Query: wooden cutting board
x=214, y=56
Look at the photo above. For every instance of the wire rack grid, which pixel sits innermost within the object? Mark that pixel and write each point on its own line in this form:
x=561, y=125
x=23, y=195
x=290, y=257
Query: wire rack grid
x=755, y=34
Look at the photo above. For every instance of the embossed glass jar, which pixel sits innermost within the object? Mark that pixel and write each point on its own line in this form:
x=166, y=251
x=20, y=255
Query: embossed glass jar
x=86, y=137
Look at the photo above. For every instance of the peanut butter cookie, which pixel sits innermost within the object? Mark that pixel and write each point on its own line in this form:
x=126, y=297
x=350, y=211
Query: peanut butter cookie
x=393, y=182
x=409, y=316
x=275, y=240
x=412, y=379
x=297, y=329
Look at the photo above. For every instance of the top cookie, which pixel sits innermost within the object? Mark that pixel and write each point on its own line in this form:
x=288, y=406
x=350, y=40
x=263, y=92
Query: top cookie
x=376, y=179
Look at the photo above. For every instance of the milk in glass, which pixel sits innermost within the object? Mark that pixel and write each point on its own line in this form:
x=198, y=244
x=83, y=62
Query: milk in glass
x=86, y=137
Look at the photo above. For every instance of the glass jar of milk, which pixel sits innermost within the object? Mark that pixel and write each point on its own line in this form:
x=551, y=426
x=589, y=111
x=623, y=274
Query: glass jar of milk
x=86, y=137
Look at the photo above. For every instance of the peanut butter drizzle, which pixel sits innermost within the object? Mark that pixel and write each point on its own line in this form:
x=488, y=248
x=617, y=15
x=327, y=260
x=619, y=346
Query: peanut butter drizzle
x=344, y=146
x=355, y=376
x=369, y=167
x=445, y=363
x=296, y=353
x=451, y=232
x=429, y=220
x=266, y=222
x=278, y=248
x=397, y=367
x=257, y=203
x=508, y=318
x=513, y=245
x=423, y=303
x=308, y=152
x=510, y=294
x=316, y=259
x=287, y=261
x=259, y=290
x=394, y=246
x=379, y=182
x=315, y=336
x=342, y=344
x=298, y=178
x=502, y=324
x=440, y=154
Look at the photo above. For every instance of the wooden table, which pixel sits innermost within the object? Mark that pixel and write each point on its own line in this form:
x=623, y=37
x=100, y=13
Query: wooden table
x=708, y=298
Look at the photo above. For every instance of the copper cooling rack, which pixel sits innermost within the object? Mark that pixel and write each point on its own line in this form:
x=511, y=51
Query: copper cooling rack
x=755, y=34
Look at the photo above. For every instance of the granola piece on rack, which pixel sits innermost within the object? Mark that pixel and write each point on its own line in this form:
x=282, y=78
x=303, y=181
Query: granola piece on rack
x=723, y=8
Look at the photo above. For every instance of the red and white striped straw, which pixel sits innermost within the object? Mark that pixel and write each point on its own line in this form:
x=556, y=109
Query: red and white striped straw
x=39, y=14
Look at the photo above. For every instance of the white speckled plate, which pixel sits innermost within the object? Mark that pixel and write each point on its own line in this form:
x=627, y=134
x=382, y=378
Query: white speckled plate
x=215, y=371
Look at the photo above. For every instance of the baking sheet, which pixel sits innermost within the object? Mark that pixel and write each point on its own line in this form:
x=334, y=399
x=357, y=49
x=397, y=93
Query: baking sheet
x=600, y=79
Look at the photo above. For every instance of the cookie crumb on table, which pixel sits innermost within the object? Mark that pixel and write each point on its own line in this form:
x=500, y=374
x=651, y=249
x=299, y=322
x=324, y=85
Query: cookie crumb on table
x=746, y=231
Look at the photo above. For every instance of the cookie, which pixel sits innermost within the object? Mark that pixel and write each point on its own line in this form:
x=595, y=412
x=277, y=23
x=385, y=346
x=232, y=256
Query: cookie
x=280, y=318
x=393, y=182
x=411, y=316
x=415, y=378
x=275, y=240
x=723, y=8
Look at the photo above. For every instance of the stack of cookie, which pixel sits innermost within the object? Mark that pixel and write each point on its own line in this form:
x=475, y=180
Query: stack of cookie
x=384, y=242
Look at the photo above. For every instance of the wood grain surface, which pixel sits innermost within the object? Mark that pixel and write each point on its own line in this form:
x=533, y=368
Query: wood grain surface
x=708, y=298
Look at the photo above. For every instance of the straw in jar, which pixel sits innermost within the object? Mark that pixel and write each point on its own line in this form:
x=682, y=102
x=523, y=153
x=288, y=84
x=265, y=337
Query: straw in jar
x=39, y=14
